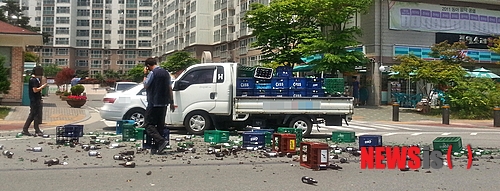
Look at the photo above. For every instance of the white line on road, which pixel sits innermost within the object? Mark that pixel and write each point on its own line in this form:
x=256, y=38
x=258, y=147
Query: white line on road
x=92, y=108
x=473, y=134
x=445, y=133
x=415, y=134
x=389, y=134
x=360, y=127
x=336, y=127
x=391, y=127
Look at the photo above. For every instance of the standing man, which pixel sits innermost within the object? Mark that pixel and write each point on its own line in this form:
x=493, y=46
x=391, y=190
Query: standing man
x=355, y=90
x=159, y=96
x=35, y=95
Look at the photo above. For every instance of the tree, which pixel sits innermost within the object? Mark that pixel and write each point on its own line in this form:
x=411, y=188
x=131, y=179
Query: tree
x=82, y=73
x=111, y=74
x=4, y=80
x=31, y=57
x=280, y=28
x=136, y=74
x=64, y=77
x=51, y=70
x=15, y=15
x=179, y=61
x=496, y=45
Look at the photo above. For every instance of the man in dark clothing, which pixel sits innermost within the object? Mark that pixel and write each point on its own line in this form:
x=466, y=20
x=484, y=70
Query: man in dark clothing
x=35, y=104
x=355, y=90
x=159, y=96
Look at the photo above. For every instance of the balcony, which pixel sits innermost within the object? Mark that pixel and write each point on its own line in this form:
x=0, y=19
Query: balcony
x=243, y=50
x=230, y=20
x=107, y=46
x=121, y=17
x=230, y=4
x=223, y=21
x=96, y=35
x=108, y=16
x=97, y=5
x=97, y=26
x=107, y=36
x=230, y=37
x=223, y=38
x=109, y=6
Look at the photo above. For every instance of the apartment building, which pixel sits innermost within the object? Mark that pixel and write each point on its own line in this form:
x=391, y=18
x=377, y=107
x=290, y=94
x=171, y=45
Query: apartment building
x=197, y=26
x=93, y=35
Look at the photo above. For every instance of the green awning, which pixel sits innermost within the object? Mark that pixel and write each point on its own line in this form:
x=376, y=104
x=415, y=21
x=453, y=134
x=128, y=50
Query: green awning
x=303, y=68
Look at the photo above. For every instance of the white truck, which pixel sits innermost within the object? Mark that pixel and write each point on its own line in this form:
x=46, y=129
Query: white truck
x=205, y=98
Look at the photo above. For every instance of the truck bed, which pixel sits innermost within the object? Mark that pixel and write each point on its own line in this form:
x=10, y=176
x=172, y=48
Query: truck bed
x=294, y=105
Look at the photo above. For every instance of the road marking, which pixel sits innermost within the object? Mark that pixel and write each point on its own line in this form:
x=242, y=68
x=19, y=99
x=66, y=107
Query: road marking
x=336, y=127
x=391, y=127
x=389, y=134
x=92, y=108
x=445, y=133
x=473, y=134
x=360, y=127
x=415, y=134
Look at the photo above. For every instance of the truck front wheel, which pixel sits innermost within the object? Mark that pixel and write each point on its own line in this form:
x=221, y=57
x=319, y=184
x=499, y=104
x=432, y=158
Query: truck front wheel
x=303, y=123
x=197, y=122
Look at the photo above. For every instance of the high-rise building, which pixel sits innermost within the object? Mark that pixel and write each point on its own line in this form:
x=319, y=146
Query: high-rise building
x=93, y=35
x=197, y=26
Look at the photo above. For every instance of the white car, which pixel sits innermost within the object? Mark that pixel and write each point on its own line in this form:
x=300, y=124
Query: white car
x=126, y=105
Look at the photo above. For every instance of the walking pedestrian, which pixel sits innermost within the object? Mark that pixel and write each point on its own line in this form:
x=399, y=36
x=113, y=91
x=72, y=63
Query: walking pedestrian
x=355, y=90
x=35, y=95
x=159, y=96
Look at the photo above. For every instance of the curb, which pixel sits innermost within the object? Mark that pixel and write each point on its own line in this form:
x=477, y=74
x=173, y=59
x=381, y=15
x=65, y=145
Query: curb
x=87, y=117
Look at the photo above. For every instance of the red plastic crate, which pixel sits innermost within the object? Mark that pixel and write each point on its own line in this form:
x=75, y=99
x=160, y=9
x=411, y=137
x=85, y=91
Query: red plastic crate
x=284, y=143
x=312, y=154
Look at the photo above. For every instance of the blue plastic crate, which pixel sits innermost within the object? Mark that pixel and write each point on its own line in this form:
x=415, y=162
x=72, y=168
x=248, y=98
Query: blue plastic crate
x=263, y=86
x=279, y=83
x=284, y=71
x=119, y=125
x=254, y=139
x=245, y=83
x=297, y=83
x=244, y=92
x=69, y=131
x=297, y=93
x=314, y=83
x=148, y=143
x=279, y=92
x=262, y=92
x=370, y=141
x=315, y=93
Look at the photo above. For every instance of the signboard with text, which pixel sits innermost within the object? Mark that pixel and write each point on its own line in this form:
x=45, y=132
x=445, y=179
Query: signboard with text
x=472, y=41
x=439, y=18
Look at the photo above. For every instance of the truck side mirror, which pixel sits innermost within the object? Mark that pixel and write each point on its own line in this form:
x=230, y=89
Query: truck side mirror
x=180, y=85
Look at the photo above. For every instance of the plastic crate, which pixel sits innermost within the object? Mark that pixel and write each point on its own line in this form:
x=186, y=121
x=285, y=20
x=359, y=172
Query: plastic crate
x=254, y=139
x=442, y=144
x=263, y=73
x=370, y=141
x=148, y=143
x=216, y=136
x=284, y=143
x=315, y=93
x=297, y=132
x=262, y=92
x=297, y=83
x=139, y=133
x=344, y=136
x=284, y=71
x=245, y=83
x=279, y=83
x=313, y=155
x=244, y=93
x=297, y=93
x=119, y=125
x=269, y=135
x=263, y=86
x=279, y=93
x=69, y=131
x=128, y=132
x=64, y=140
x=333, y=85
x=314, y=83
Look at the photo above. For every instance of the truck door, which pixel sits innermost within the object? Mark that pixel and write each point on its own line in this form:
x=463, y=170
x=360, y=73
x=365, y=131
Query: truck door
x=195, y=90
x=223, y=93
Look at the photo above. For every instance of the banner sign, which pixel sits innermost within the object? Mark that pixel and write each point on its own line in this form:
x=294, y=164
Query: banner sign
x=472, y=41
x=439, y=18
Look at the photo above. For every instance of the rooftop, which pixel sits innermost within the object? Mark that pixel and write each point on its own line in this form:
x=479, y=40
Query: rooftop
x=6, y=28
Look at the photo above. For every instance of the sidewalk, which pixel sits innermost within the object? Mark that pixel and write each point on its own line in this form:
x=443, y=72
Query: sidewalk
x=55, y=113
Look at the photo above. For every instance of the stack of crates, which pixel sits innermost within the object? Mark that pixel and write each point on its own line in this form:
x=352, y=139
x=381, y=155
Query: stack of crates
x=129, y=132
x=148, y=142
x=119, y=125
x=333, y=85
x=269, y=135
x=297, y=132
x=216, y=136
x=68, y=134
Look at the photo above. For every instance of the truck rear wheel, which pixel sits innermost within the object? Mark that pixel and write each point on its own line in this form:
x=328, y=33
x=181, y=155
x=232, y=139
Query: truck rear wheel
x=303, y=123
x=197, y=122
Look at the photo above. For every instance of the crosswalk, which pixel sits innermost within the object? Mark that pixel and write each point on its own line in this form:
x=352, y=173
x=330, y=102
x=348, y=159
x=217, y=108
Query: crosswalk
x=371, y=126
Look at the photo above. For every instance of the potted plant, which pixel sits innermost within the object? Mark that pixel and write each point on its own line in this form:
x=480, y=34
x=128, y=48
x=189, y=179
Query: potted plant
x=64, y=96
x=76, y=99
x=59, y=92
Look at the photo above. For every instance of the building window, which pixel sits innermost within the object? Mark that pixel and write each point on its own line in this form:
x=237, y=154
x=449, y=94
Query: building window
x=144, y=33
x=96, y=44
x=130, y=33
x=82, y=32
x=82, y=53
x=63, y=9
x=145, y=3
x=192, y=22
x=62, y=41
x=62, y=51
x=97, y=24
x=96, y=64
x=144, y=43
x=96, y=33
x=82, y=22
x=131, y=13
x=83, y=3
x=47, y=61
x=94, y=73
x=62, y=20
x=97, y=13
x=145, y=23
x=119, y=62
x=48, y=29
x=97, y=3
x=96, y=54
x=62, y=30
x=48, y=21
x=84, y=43
x=144, y=53
x=217, y=20
x=130, y=54
x=82, y=63
x=145, y=13
x=62, y=62
x=131, y=24
x=130, y=44
x=48, y=10
x=63, y=1
x=83, y=12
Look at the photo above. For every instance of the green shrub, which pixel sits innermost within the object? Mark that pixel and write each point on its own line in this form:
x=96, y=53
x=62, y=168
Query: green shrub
x=474, y=98
x=77, y=90
x=66, y=94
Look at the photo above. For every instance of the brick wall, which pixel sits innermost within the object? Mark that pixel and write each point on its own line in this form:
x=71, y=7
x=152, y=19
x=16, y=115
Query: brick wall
x=16, y=84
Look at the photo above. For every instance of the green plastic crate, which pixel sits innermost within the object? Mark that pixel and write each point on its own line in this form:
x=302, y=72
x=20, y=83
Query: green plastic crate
x=297, y=132
x=344, y=136
x=333, y=85
x=442, y=144
x=216, y=136
x=139, y=133
x=128, y=132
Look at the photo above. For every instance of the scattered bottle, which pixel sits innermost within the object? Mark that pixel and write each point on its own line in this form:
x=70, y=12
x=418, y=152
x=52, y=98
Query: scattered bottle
x=35, y=149
x=271, y=154
x=127, y=153
x=335, y=167
x=128, y=164
x=19, y=135
x=117, y=145
x=93, y=153
x=51, y=162
x=8, y=153
x=128, y=158
x=1, y=147
x=308, y=180
x=219, y=155
x=45, y=136
x=118, y=157
x=343, y=160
